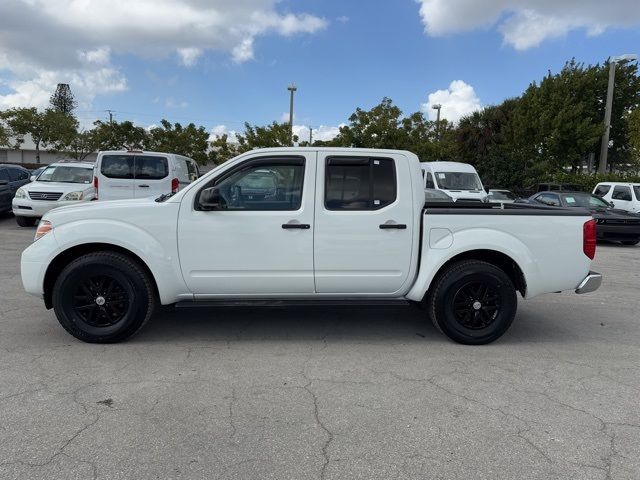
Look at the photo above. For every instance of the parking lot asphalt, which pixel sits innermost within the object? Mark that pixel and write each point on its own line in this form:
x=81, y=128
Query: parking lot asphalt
x=324, y=393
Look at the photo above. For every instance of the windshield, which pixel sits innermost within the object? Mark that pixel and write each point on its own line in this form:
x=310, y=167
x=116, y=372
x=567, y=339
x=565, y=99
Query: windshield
x=66, y=174
x=503, y=196
x=585, y=200
x=458, y=181
x=636, y=190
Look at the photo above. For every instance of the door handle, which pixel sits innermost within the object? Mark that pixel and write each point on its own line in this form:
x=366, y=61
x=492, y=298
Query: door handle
x=389, y=226
x=144, y=186
x=301, y=226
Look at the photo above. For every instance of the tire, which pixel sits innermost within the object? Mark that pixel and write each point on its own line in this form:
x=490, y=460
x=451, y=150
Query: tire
x=25, y=221
x=103, y=297
x=472, y=302
x=630, y=242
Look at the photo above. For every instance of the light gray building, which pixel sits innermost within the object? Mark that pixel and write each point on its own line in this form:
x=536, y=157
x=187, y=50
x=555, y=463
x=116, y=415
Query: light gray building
x=27, y=154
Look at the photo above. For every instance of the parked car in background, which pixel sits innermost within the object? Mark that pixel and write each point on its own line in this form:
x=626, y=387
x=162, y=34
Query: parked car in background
x=138, y=174
x=12, y=177
x=36, y=172
x=501, y=196
x=557, y=187
x=435, y=195
x=625, y=196
x=59, y=184
x=611, y=223
x=342, y=225
x=458, y=180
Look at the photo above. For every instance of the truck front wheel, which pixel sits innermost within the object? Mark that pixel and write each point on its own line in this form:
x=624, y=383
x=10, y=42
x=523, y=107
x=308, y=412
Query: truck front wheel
x=103, y=297
x=472, y=302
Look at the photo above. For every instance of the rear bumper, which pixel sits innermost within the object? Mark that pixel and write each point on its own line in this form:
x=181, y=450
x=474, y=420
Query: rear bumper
x=590, y=283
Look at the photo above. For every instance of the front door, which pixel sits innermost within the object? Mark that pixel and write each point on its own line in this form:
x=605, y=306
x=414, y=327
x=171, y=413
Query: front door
x=364, y=224
x=249, y=231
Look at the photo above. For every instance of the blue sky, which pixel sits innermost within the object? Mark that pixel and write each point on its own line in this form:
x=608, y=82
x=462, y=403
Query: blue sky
x=346, y=54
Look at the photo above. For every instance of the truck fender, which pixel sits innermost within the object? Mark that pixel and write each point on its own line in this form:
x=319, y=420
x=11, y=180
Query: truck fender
x=463, y=244
x=161, y=260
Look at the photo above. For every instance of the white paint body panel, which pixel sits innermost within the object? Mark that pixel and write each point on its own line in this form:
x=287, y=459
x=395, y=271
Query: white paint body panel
x=231, y=254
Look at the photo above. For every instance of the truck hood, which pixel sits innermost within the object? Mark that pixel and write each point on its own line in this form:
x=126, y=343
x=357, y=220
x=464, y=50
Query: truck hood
x=64, y=187
x=98, y=208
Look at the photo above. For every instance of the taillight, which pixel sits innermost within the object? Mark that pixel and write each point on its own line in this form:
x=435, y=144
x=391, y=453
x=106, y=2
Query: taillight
x=175, y=183
x=95, y=185
x=589, y=238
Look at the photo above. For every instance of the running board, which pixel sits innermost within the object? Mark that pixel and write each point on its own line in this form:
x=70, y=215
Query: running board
x=294, y=303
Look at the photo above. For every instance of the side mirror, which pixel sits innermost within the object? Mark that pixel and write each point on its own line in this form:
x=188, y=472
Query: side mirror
x=487, y=188
x=210, y=199
x=32, y=178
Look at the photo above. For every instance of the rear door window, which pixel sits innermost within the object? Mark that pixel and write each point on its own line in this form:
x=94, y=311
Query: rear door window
x=621, y=193
x=151, y=168
x=548, y=199
x=16, y=174
x=359, y=183
x=117, y=166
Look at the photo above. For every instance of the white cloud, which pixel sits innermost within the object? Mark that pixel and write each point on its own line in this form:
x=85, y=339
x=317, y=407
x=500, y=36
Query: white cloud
x=173, y=103
x=78, y=39
x=458, y=100
x=219, y=130
x=527, y=23
x=189, y=56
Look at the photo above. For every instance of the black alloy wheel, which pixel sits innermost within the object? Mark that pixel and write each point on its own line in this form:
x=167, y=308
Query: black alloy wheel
x=103, y=297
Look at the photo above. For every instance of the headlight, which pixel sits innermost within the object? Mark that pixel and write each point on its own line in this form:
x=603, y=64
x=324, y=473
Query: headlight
x=20, y=193
x=73, y=196
x=44, y=227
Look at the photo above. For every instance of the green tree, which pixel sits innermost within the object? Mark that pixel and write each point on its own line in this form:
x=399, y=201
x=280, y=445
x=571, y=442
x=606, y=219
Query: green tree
x=222, y=149
x=47, y=128
x=82, y=144
x=4, y=133
x=190, y=141
x=633, y=129
x=63, y=100
x=272, y=135
x=119, y=135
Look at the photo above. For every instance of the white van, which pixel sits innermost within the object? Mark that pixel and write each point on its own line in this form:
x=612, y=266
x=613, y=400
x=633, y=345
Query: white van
x=625, y=196
x=459, y=180
x=137, y=174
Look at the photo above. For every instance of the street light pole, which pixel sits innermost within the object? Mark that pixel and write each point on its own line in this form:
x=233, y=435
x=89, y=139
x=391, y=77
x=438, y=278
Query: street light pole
x=437, y=107
x=292, y=88
x=604, y=147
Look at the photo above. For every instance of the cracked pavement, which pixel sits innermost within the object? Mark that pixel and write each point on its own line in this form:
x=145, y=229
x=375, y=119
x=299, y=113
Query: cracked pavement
x=324, y=393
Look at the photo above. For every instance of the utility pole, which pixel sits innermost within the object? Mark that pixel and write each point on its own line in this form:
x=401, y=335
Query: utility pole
x=110, y=112
x=604, y=146
x=292, y=88
x=310, y=136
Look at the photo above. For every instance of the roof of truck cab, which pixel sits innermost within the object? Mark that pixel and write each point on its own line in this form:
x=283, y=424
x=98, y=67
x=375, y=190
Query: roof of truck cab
x=449, y=166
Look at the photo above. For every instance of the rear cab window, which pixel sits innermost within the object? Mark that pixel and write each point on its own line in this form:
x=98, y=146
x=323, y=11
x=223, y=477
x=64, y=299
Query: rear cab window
x=359, y=183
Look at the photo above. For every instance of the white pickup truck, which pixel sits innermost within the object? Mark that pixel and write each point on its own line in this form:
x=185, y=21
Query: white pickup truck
x=305, y=225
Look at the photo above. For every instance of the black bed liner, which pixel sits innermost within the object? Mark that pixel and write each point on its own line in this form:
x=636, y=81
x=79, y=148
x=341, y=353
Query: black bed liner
x=482, y=208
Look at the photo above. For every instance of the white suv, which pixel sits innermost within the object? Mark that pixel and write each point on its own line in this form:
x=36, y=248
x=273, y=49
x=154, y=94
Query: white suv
x=625, y=196
x=59, y=184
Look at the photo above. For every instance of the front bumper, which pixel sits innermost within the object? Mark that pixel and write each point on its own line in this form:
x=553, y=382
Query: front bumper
x=25, y=207
x=590, y=283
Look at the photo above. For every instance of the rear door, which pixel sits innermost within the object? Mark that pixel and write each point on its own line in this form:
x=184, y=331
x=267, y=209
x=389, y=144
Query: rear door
x=152, y=176
x=363, y=224
x=622, y=198
x=115, y=176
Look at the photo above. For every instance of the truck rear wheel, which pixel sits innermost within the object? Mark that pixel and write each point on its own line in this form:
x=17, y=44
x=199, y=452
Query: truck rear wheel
x=103, y=297
x=472, y=302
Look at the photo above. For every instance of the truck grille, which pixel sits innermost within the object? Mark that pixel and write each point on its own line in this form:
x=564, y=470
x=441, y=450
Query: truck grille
x=45, y=195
